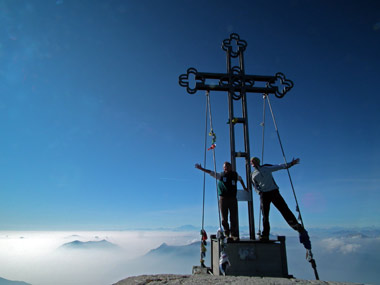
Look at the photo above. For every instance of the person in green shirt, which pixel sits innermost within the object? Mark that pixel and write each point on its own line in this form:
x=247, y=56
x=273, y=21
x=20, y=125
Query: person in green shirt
x=227, y=190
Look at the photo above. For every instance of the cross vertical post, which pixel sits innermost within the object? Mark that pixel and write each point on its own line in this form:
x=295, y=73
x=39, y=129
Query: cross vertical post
x=244, y=120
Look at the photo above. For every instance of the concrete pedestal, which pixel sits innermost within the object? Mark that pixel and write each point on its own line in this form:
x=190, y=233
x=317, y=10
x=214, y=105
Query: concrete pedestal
x=252, y=258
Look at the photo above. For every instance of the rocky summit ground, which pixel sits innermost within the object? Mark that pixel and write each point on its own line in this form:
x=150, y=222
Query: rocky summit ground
x=217, y=280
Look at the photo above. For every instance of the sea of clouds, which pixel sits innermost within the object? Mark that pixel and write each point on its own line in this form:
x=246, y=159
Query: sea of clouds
x=37, y=257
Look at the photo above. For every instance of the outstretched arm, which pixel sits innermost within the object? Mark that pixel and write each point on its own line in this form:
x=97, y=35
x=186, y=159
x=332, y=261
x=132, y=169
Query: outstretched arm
x=198, y=166
x=293, y=162
x=212, y=173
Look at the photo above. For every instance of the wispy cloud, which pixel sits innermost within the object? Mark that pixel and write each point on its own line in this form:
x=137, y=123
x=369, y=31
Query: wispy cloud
x=340, y=245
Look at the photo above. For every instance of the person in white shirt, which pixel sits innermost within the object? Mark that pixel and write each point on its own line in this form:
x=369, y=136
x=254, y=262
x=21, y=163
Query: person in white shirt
x=268, y=190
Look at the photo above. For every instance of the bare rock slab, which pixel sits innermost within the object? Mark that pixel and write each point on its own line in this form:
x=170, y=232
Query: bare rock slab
x=218, y=280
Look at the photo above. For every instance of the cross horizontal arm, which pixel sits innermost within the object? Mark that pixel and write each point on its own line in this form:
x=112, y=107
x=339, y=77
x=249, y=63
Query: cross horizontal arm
x=211, y=87
x=236, y=81
x=223, y=76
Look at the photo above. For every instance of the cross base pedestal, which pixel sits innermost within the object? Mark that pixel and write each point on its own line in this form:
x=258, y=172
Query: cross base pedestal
x=252, y=258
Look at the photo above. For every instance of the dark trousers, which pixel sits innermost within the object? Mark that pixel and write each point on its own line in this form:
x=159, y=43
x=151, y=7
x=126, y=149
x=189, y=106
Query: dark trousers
x=229, y=204
x=275, y=197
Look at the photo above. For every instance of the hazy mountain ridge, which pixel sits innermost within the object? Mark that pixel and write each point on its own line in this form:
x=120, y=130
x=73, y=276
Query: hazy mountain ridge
x=164, y=259
x=244, y=230
x=360, y=233
x=181, y=250
x=88, y=245
x=4, y=281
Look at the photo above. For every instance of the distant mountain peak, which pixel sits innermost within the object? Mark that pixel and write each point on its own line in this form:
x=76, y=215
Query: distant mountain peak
x=101, y=245
x=9, y=282
x=176, y=249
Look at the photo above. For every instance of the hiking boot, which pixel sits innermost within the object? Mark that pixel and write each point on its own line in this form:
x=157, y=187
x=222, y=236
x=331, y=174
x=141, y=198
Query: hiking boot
x=305, y=239
x=264, y=238
x=235, y=238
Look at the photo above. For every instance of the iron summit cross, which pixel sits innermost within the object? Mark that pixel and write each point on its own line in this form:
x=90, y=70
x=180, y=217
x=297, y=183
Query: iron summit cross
x=237, y=84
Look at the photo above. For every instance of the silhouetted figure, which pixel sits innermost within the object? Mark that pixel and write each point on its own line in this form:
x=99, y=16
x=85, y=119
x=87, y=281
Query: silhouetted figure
x=227, y=189
x=268, y=190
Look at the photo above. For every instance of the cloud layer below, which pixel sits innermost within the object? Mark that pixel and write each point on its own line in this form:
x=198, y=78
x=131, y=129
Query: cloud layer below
x=35, y=257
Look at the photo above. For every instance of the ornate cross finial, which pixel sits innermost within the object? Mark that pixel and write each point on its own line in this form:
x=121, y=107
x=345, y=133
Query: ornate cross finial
x=285, y=83
x=185, y=82
x=228, y=46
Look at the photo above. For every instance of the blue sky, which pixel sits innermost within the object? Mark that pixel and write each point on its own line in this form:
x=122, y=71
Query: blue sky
x=96, y=133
